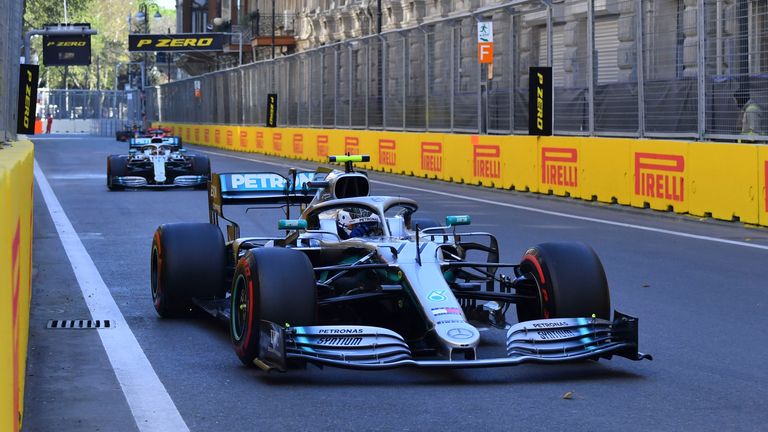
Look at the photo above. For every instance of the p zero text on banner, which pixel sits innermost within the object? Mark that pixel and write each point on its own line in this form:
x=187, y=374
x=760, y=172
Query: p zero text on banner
x=540, y=101
x=28, y=75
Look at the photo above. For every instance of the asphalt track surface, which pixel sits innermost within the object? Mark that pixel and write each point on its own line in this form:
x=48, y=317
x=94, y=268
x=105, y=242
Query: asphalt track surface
x=701, y=297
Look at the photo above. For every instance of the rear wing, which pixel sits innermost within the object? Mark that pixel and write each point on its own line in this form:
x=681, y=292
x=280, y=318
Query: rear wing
x=258, y=189
x=139, y=142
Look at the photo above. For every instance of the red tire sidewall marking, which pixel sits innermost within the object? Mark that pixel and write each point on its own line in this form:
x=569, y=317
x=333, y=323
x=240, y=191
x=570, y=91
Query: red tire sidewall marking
x=533, y=259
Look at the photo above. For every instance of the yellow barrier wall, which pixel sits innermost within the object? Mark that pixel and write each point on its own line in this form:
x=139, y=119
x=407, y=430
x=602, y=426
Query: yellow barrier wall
x=716, y=188
x=16, y=173
x=724, y=181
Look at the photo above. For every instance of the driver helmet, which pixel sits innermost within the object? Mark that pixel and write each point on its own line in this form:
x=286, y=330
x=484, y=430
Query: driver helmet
x=356, y=223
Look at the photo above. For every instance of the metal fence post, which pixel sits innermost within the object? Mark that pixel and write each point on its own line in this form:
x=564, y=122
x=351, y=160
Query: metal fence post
x=512, y=66
x=351, y=75
x=640, y=67
x=591, y=64
x=700, y=69
x=383, y=78
x=453, y=73
x=367, y=80
x=550, y=52
x=322, y=87
x=406, y=68
x=426, y=78
x=335, y=85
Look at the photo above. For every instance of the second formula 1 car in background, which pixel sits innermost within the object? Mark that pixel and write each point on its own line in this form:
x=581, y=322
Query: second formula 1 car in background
x=157, y=161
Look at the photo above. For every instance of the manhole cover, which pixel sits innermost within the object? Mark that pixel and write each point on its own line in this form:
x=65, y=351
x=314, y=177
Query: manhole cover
x=79, y=324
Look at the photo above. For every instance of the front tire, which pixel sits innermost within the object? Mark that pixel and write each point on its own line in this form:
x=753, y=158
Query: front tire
x=201, y=166
x=117, y=166
x=187, y=261
x=273, y=284
x=570, y=279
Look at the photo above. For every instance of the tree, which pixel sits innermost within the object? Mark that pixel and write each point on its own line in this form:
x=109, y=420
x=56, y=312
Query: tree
x=108, y=48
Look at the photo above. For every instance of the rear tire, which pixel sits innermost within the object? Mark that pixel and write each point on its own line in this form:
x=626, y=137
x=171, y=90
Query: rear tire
x=273, y=284
x=117, y=166
x=187, y=261
x=571, y=282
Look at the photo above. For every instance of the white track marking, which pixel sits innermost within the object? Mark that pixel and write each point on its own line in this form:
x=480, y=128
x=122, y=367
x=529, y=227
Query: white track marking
x=53, y=138
x=530, y=209
x=150, y=404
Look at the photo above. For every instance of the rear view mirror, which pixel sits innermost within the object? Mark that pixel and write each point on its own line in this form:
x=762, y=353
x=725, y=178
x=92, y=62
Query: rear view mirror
x=458, y=220
x=292, y=224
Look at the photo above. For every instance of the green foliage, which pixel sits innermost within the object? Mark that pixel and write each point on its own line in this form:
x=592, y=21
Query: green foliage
x=108, y=48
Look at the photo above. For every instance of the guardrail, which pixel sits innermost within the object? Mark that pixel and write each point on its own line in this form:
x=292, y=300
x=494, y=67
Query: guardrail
x=16, y=195
x=720, y=180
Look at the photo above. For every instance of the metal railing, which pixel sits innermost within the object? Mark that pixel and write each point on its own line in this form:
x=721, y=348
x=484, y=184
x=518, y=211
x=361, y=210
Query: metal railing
x=99, y=112
x=10, y=41
x=620, y=68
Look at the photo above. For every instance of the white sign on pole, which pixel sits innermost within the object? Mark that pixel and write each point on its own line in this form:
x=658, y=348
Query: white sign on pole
x=484, y=31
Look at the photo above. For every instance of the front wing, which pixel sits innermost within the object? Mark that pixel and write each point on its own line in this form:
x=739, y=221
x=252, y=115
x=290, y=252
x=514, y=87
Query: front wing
x=178, y=181
x=556, y=340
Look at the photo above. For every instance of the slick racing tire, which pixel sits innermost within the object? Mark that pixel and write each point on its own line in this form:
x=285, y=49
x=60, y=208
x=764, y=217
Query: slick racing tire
x=571, y=282
x=117, y=166
x=187, y=261
x=201, y=166
x=273, y=284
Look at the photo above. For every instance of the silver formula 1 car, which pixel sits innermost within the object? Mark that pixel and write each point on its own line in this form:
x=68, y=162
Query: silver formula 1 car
x=157, y=161
x=359, y=281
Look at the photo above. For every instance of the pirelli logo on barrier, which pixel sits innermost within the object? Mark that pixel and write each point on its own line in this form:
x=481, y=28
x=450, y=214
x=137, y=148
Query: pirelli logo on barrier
x=230, y=138
x=187, y=134
x=277, y=142
x=432, y=156
x=207, y=135
x=387, y=152
x=197, y=135
x=559, y=166
x=486, y=160
x=217, y=136
x=176, y=42
x=765, y=180
x=243, y=138
x=660, y=176
x=322, y=145
x=260, y=140
x=298, y=144
x=351, y=145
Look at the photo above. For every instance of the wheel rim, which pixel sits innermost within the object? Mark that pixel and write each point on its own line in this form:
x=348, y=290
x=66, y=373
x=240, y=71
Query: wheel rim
x=240, y=304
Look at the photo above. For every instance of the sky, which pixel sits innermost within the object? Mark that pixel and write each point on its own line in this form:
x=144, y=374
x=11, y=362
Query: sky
x=166, y=4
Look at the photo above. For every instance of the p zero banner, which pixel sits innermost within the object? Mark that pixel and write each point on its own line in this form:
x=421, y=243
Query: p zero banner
x=272, y=110
x=176, y=42
x=540, y=101
x=67, y=50
x=28, y=75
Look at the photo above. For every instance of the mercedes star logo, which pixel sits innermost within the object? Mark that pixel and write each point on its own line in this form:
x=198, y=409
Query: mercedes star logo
x=460, y=333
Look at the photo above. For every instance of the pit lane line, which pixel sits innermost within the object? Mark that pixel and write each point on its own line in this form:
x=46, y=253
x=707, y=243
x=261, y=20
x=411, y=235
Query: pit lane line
x=529, y=209
x=150, y=404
